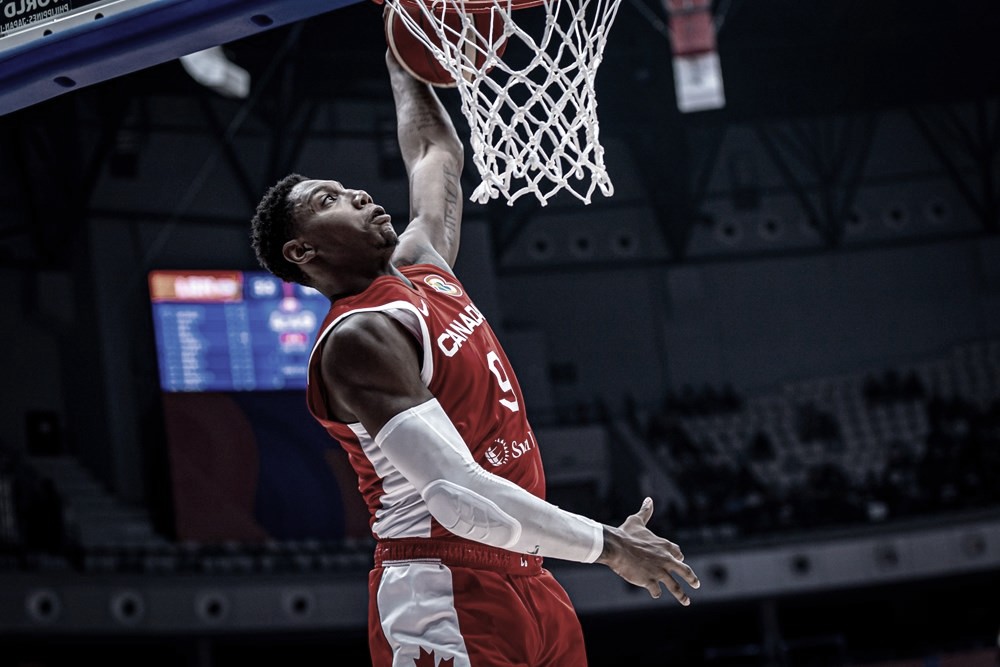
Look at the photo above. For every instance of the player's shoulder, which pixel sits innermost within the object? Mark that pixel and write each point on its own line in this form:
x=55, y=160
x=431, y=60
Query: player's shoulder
x=363, y=335
x=357, y=340
x=361, y=330
x=365, y=349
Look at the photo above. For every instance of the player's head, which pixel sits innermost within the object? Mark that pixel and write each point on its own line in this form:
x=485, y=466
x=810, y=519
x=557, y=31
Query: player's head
x=321, y=233
x=273, y=225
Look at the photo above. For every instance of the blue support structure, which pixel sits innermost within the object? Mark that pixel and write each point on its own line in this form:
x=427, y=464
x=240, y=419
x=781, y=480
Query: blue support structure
x=106, y=40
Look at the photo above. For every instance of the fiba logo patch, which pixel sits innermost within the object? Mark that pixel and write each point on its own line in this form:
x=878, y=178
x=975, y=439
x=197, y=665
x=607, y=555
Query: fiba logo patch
x=439, y=284
x=498, y=454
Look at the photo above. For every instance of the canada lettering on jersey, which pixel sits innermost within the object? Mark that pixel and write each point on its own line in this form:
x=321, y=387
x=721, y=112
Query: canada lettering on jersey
x=460, y=330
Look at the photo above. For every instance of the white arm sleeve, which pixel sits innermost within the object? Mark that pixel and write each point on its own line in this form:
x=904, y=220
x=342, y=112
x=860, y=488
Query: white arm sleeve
x=428, y=450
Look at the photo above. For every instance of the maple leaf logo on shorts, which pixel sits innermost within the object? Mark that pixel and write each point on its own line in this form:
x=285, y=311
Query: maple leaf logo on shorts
x=429, y=660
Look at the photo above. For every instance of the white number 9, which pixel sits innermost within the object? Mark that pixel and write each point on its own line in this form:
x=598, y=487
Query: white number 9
x=496, y=367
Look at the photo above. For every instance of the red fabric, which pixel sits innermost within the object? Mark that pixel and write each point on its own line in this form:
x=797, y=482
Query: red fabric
x=458, y=553
x=506, y=621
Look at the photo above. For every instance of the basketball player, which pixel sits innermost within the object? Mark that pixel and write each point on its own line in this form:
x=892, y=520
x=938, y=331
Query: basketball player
x=408, y=376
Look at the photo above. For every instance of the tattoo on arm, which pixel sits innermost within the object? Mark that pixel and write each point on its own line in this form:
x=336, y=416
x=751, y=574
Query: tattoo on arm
x=423, y=125
x=424, y=117
x=421, y=110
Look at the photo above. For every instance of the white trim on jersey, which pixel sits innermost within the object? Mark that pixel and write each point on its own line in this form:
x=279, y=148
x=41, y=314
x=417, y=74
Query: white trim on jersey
x=402, y=512
x=427, y=369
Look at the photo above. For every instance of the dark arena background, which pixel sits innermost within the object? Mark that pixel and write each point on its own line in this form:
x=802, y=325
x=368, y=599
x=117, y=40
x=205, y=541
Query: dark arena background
x=784, y=326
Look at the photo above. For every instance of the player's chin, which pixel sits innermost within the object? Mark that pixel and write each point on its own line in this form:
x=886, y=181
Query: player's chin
x=390, y=240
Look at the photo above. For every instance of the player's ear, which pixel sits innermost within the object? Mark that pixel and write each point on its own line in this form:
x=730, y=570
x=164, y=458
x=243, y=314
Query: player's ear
x=297, y=251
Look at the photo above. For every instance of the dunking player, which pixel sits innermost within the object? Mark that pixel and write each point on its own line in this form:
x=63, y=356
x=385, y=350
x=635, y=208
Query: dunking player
x=408, y=376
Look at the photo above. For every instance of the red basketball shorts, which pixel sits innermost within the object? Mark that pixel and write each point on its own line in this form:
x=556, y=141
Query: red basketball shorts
x=458, y=604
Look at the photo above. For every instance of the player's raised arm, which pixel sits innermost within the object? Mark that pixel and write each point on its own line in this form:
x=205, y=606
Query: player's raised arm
x=433, y=155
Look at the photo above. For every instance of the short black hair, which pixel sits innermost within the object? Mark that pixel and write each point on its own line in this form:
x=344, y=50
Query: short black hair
x=272, y=226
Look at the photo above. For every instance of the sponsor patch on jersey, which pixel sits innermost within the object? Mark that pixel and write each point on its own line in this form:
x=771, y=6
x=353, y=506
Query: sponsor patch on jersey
x=500, y=452
x=439, y=284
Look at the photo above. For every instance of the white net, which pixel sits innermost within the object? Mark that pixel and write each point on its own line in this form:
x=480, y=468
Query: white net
x=533, y=117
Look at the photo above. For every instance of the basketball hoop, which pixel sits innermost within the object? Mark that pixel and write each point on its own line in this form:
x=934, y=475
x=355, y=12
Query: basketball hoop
x=534, y=127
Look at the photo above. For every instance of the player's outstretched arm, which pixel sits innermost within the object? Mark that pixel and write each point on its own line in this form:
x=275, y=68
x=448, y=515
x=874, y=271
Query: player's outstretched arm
x=433, y=155
x=373, y=365
x=640, y=557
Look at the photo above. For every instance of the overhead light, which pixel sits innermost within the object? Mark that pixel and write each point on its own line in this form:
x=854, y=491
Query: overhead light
x=212, y=69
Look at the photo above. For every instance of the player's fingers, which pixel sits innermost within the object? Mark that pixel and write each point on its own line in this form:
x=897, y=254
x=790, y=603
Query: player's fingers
x=645, y=511
x=685, y=572
x=653, y=586
x=637, y=521
x=676, y=590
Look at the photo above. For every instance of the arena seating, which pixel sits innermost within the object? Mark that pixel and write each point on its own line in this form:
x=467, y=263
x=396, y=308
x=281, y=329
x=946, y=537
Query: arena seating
x=913, y=440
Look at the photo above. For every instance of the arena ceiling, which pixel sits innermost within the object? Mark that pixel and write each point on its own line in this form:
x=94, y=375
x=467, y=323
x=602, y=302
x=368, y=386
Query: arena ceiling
x=780, y=59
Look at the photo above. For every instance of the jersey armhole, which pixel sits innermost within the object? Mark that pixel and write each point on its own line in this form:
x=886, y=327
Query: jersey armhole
x=408, y=316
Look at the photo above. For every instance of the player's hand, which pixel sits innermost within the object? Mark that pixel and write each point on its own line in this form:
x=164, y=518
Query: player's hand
x=640, y=557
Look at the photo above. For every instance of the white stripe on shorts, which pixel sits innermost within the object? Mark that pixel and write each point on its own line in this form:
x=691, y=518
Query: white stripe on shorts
x=416, y=604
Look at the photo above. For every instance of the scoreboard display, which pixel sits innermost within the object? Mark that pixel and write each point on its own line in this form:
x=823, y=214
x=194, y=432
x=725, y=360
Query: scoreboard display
x=232, y=330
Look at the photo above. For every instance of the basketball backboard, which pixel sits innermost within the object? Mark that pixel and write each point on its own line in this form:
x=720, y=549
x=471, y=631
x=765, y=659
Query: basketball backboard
x=51, y=47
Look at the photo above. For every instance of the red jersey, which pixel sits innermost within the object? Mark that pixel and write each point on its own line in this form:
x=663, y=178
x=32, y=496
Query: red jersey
x=463, y=366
